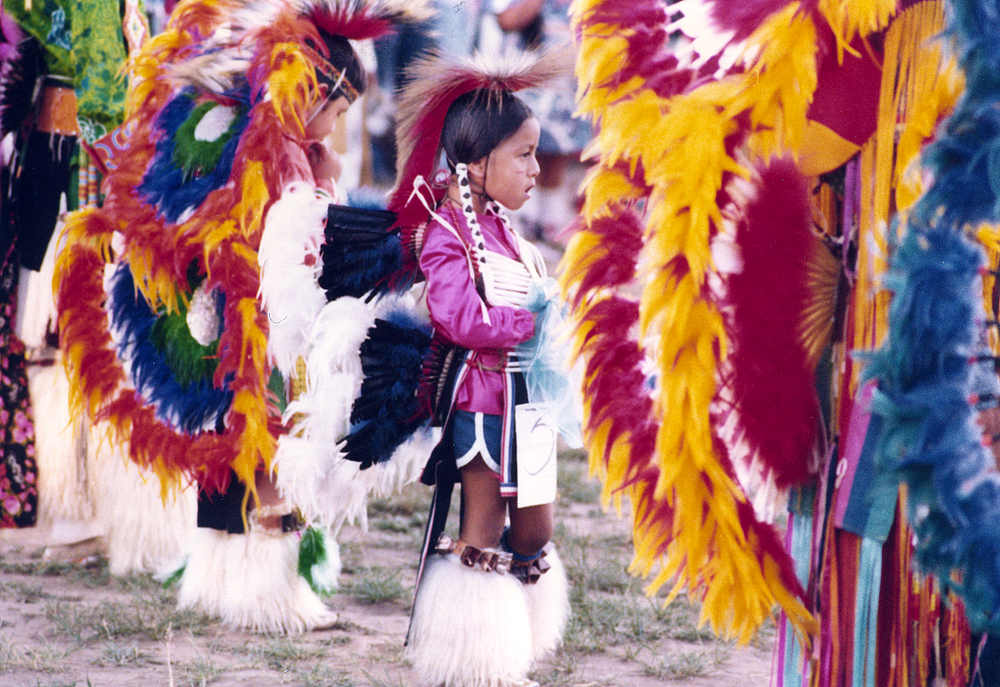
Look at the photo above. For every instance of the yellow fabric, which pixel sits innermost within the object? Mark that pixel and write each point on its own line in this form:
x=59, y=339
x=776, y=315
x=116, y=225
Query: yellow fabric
x=823, y=150
x=918, y=88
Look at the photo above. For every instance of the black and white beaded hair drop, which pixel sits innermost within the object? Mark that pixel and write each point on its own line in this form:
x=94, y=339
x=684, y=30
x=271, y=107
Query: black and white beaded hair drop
x=465, y=191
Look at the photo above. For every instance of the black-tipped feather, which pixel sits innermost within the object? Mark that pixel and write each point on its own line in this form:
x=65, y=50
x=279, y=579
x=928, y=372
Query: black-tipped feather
x=388, y=409
x=360, y=253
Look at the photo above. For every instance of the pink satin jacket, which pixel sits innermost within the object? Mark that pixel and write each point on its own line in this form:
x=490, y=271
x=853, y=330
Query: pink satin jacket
x=456, y=308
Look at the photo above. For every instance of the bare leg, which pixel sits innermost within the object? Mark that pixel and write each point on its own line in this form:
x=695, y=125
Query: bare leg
x=272, y=505
x=485, y=512
x=530, y=528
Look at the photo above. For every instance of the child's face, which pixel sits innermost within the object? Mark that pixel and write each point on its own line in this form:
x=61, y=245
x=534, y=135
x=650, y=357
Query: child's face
x=511, y=168
x=324, y=121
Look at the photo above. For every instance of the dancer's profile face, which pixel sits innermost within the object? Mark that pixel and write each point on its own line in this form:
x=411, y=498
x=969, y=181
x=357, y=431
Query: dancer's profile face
x=324, y=121
x=510, y=168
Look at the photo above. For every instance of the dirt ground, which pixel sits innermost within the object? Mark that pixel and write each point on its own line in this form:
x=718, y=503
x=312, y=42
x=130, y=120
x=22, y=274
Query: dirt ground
x=73, y=623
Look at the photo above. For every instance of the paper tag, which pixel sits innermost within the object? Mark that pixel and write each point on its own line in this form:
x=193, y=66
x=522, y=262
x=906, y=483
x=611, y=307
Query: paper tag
x=536, y=455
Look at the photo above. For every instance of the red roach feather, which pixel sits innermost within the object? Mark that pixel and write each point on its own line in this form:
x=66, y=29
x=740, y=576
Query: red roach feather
x=361, y=19
x=771, y=378
x=612, y=261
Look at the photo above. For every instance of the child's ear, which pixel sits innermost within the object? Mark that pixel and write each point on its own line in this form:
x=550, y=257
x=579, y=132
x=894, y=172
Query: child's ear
x=477, y=170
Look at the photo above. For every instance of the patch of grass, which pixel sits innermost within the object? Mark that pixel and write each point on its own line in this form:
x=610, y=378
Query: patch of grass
x=394, y=525
x=377, y=585
x=8, y=654
x=680, y=666
x=564, y=671
x=93, y=574
x=575, y=485
x=680, y=619
x=44, y=659
x=387, y=682
x=595, y=564
x=390, y=653
x=321, y=675
x=201, y=672
x=117, y=655
x=145, y=616
x=22, y=592
x=410, y=500
x=284, y=654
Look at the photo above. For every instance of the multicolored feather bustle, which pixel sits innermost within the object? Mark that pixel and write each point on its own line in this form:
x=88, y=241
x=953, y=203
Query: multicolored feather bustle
x=183, y=367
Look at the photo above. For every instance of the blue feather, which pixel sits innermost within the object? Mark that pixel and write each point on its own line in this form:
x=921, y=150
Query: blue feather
x=189, y=407
x=361, y=252
x=165, y=185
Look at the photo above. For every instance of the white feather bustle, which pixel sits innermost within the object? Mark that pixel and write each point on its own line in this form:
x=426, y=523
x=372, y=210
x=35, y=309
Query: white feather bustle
x=64, y=491
x=142, y=530
x=290, y=264
x=310, y=469
x=469, y=628
x=548, y=607
x=251, y=582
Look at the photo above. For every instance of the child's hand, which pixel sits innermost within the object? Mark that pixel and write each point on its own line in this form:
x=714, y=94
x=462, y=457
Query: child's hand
x=540, y=292
x=324, y=162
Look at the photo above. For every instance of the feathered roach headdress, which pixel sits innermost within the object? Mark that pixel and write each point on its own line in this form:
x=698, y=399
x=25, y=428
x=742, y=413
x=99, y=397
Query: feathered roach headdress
x=433, y=85
x=322, y=27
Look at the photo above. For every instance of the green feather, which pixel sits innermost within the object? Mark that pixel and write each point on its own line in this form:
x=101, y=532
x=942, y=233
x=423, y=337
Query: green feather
x=312, y=554
x=174, y=577
x=193, y=156
x=189, y=360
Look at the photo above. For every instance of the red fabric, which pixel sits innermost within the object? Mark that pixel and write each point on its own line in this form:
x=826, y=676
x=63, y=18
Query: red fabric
x=847, y=559
x=847, y=93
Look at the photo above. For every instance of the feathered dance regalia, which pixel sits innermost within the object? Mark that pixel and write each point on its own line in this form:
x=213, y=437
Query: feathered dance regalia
x=745, y=177
x=937, y=370
x=378, y=374
x=159, y=290
x=186, y=300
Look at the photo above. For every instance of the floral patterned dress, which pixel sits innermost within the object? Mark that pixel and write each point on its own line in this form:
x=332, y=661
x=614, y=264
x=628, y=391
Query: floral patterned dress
x=18, y=469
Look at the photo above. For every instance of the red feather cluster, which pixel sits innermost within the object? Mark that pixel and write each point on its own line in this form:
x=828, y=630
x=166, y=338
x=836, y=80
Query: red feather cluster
x=352, y=20
x=743, y=17
x=426, y=133
x=771, y=378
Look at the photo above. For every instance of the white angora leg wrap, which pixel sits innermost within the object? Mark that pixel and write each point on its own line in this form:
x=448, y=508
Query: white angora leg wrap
x=548, y=606
x=470, y=628
x=251, y=581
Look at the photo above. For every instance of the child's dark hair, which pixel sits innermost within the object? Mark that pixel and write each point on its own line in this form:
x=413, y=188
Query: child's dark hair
x=479, y=121
x=342, y=59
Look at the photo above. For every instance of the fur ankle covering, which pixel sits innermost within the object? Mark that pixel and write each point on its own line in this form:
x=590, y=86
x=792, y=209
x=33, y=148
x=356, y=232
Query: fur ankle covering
x=251, y=582
x=470, y=628
x=548, y=606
